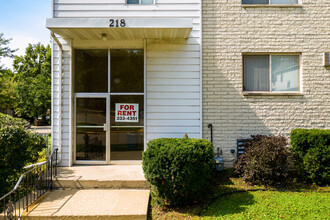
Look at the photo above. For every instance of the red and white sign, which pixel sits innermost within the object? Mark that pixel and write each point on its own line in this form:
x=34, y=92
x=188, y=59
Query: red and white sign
x=127, y=112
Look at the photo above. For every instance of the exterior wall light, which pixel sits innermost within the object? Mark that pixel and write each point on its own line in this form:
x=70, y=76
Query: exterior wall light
x=104, y=36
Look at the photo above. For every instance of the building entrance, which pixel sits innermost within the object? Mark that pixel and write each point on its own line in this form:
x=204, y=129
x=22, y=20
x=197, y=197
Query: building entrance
x=109, y=105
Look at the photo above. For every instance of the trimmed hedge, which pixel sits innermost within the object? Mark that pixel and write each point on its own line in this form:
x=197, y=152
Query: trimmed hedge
x=267, y=160
x=18, y=147
x=179, y=168
x=311, y=149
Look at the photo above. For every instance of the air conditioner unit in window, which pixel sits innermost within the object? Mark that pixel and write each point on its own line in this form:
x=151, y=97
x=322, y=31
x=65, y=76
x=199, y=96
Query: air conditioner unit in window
x=327, y=59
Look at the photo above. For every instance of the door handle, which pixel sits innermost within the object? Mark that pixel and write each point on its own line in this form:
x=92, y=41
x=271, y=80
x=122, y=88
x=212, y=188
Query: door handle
x=105, y=127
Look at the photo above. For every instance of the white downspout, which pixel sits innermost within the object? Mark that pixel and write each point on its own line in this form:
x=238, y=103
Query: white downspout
x=60, y=96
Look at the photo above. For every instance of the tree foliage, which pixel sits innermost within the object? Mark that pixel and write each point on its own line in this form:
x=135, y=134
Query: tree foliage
x=33, y=75
x=19, y=146
x=7, y=84
x=5, y=51
x=7, y=90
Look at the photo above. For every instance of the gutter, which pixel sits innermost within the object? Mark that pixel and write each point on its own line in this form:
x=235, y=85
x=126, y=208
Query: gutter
x=60, y=95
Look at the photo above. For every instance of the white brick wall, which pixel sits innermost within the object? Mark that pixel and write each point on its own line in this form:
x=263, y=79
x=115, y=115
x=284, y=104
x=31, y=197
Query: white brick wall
x=230, y=30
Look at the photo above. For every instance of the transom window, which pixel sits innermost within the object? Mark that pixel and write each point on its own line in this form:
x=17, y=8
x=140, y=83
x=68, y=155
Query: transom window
x=270, y=2
x=140, y=2
x=92, y=74
x=271, y=73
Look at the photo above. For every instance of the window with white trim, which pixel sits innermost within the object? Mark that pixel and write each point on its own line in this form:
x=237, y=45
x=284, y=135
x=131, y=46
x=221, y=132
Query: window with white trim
x=271, y=73
x=140, y=2
x=270, y=2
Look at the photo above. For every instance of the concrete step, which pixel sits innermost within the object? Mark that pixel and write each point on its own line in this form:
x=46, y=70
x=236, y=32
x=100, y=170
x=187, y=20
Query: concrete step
x=102, y=177
x=91, y=204
x=100, y=184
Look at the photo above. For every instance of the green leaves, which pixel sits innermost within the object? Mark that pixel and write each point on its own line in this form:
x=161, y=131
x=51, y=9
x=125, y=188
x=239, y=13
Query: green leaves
x=18, y=146
x=179, y=168
x=312, y=153
x=33, y=75
x=28, y=89
x=5, y=51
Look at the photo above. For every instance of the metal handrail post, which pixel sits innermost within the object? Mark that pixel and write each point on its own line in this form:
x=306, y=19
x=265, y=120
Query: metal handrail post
x=27, y=191
x=51, y=173
x=56, y=162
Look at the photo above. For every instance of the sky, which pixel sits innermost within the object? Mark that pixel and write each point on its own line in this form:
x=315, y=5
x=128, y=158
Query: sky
x=25, y=22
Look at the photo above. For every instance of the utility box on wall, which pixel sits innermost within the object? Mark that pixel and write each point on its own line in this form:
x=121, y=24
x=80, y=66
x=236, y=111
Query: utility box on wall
x=241, y=146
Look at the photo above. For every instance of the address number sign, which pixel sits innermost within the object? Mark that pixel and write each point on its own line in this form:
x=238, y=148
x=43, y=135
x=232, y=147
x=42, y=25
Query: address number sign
x=117, y=23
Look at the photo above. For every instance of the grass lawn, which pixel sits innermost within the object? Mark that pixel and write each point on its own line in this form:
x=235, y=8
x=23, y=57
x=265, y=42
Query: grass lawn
x=270, y=205
x=237, y=200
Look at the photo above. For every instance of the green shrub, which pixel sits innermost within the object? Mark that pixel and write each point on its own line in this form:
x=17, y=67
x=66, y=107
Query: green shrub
x=18, y=146
x=311, y=149
x=267, y=160
x=7, y=120
x=179, y=168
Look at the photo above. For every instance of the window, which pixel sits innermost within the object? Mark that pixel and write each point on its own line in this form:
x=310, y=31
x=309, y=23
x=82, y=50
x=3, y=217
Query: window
x=271, y=73
x=140, y=2
x=92, y=74
x=327, y=59
x=91, y=70
x=270, y=2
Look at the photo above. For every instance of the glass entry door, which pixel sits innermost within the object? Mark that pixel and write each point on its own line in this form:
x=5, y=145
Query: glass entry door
x=109, y=105
x=90, y=133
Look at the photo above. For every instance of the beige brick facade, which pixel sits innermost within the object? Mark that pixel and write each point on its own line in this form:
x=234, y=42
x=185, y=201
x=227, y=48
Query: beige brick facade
x=230, y=30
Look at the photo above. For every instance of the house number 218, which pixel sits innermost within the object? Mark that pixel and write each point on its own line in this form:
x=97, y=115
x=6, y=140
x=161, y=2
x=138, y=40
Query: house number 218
x=117, y=23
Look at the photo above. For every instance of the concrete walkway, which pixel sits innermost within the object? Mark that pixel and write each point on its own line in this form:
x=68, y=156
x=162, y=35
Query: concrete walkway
x=92, y=204
x=41, y=129
x=101, y=176
x=95, y=192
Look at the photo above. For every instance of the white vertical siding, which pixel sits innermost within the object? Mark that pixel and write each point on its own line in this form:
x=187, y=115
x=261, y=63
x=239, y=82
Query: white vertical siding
x=173, y=75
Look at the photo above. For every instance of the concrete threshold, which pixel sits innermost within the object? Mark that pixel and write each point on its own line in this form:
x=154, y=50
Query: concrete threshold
x=101, y=176
x=91, y=204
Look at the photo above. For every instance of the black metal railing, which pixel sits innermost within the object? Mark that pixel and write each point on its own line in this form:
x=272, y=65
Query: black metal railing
x=30, y=186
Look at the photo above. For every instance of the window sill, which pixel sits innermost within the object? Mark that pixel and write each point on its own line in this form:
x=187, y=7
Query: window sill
x=272, y=94
x=272, y=6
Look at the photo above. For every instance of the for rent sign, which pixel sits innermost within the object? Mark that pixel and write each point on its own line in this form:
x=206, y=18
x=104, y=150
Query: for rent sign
x=127, y=112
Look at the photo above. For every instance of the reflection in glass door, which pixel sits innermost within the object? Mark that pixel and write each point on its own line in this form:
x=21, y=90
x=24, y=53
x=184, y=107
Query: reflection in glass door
x=90, y=134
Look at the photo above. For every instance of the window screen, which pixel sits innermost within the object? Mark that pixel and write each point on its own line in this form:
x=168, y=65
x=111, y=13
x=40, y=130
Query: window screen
x=285, y=73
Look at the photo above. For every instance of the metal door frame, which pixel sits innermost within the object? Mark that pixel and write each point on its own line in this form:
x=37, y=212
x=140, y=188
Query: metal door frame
x=107, y=96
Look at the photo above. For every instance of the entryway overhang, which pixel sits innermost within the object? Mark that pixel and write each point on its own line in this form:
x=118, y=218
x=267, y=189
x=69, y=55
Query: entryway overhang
x=123, y=28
